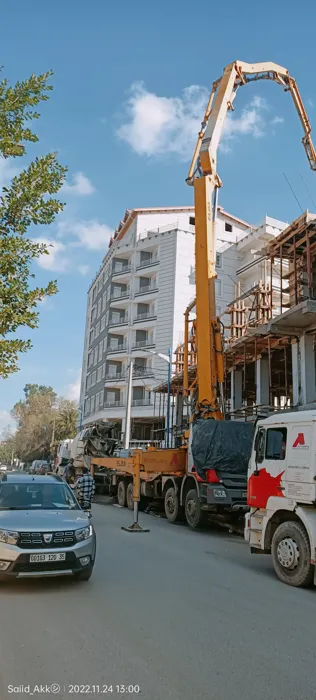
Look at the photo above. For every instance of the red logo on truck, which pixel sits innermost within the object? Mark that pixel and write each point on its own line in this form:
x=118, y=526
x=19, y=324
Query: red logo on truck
x=299, y=440
x=262, y=486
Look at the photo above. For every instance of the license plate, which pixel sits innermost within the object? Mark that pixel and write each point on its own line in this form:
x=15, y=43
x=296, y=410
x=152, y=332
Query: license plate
x=59, y=556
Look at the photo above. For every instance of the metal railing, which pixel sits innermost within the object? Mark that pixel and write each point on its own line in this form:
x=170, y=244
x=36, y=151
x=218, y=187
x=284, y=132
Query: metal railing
x=113, y=404
x=119, y=294
x=143, y=343
x=119, y=321
x=114, y=377
x=144, y=315
x=143, y=372
x=145, y=263
x=141, y=402
x=116, y=348
x=147, y=288
x=121, y=270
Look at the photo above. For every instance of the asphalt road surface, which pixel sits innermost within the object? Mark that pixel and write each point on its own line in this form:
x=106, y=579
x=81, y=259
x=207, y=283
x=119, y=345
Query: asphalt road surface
x=180, y=614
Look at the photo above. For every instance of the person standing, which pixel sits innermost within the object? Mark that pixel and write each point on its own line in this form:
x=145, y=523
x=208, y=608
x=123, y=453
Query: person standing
x=85, y=487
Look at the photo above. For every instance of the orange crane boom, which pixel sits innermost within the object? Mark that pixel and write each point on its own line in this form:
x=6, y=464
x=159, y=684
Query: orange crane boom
x=205, y=179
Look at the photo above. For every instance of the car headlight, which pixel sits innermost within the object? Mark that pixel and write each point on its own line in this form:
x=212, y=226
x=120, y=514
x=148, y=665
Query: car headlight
x=9, y=536
x=84, y=533
x=219, y=493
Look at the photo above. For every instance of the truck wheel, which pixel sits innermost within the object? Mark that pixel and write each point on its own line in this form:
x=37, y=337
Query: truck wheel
x=129, y=496
x=121, y=493
x=291, y=554
x=172, y=505
x=193, y=512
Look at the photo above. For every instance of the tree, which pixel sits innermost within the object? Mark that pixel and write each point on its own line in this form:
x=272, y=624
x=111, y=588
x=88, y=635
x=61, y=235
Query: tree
x=66, y=420
x=28, y=201
x=34, y=416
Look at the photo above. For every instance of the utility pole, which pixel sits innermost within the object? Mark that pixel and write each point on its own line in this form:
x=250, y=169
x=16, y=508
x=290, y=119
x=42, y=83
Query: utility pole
x=129, y=406
x=169, y=397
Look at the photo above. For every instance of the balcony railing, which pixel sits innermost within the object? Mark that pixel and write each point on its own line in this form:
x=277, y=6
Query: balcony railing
x=114, y=377
x=143, y=343
x=147, y=288
x=121, y=269
x=142, y=372
x=119, y=321
x=119, y=294
x=116, y=348
x=141, y=402
x=113, y=404
x=146, y=263
x=145, y=314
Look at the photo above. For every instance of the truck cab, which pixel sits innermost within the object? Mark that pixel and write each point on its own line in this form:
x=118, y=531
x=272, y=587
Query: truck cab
x=281, y=494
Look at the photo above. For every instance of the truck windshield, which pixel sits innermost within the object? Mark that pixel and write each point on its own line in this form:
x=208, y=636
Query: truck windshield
x=37, y=496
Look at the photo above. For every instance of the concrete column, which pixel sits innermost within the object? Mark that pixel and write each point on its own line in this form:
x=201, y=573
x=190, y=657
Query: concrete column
x=236, y=389
x=179, y=410
x=262, y=381
x=303, y=371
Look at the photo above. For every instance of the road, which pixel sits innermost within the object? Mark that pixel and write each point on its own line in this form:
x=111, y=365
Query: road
x=181, y=614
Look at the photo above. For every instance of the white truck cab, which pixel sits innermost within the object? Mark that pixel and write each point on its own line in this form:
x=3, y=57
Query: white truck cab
x=281, y=495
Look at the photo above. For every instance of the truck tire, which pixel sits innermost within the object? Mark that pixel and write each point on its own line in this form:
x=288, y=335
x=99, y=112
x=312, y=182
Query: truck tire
x=129, y=496
x=291, y=555
x=193, y=512
x=172, y=506
x=121, y=493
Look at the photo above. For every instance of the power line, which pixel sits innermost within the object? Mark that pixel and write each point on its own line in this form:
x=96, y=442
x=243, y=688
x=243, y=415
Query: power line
x=294, y=195
x=307, y=190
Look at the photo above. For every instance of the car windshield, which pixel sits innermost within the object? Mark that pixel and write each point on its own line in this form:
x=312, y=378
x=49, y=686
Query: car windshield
x=27, y=496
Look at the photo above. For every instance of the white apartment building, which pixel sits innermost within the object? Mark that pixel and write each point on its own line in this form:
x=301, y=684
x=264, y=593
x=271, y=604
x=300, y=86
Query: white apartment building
x=135, y=310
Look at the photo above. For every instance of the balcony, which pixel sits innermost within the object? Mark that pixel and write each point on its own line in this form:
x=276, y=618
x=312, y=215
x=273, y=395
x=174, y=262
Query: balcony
x=140, y=372
x=145, y=315
x=141, y=402
x=115, y=377
x=120, y=294
x=147, y=263
x=121, y=270
x=147, y=289
x=113, y=404
x=117, y=348
x=144, y=343
x=119, y=321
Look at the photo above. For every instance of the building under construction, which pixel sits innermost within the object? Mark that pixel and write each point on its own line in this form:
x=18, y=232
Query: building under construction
x=270, y=330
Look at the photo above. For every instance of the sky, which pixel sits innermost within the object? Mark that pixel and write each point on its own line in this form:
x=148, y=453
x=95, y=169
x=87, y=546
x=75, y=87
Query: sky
x=131, y=82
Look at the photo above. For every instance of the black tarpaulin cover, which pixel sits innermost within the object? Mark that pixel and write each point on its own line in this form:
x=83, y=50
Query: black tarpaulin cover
x=220, y=444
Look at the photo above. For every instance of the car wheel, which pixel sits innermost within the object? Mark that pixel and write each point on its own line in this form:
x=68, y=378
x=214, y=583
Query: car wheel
x=291, y=554
x=129, y=496
x=121, y=493
x=194, y=515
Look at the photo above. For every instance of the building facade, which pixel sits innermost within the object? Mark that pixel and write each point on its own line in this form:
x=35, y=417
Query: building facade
x=135, y=311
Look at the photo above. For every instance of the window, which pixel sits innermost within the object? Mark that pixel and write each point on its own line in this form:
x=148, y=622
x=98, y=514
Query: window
x=102, y=324
x=228, y=227
x=93, y=313
x=103, y=301
x=94, y=291
x=192, y=220
x=92, y=404
x=218, y=288
x=103, y=371
x=97, y=401
x=87, y=407
x=101, y=396
x=219, y=260
x=99, y=307
x=100, y=350
x=91, y=338
x=97, y=329
x=90, y=359
x=99, y=374
x=93, y=378
x=276, y=443
x=95, y=356
x=88, y=382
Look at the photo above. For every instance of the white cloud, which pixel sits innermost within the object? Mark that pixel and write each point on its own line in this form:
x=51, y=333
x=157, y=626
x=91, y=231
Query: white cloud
x=83, y=269
x=169, y=125
x=73, y=390
x=310, y=103
x=6, y=422
x=89, y=234
x=57, y=260
x=277, y=120
x=81, y=185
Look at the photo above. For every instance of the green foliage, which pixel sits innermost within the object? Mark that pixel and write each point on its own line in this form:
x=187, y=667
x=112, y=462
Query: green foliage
x=43, y=420
x=27, y=201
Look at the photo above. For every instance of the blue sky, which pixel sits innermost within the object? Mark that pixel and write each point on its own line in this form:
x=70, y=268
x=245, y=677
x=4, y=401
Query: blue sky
x=130, y=84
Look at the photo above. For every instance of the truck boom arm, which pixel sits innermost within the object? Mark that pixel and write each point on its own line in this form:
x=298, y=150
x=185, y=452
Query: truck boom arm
x=203, y=175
